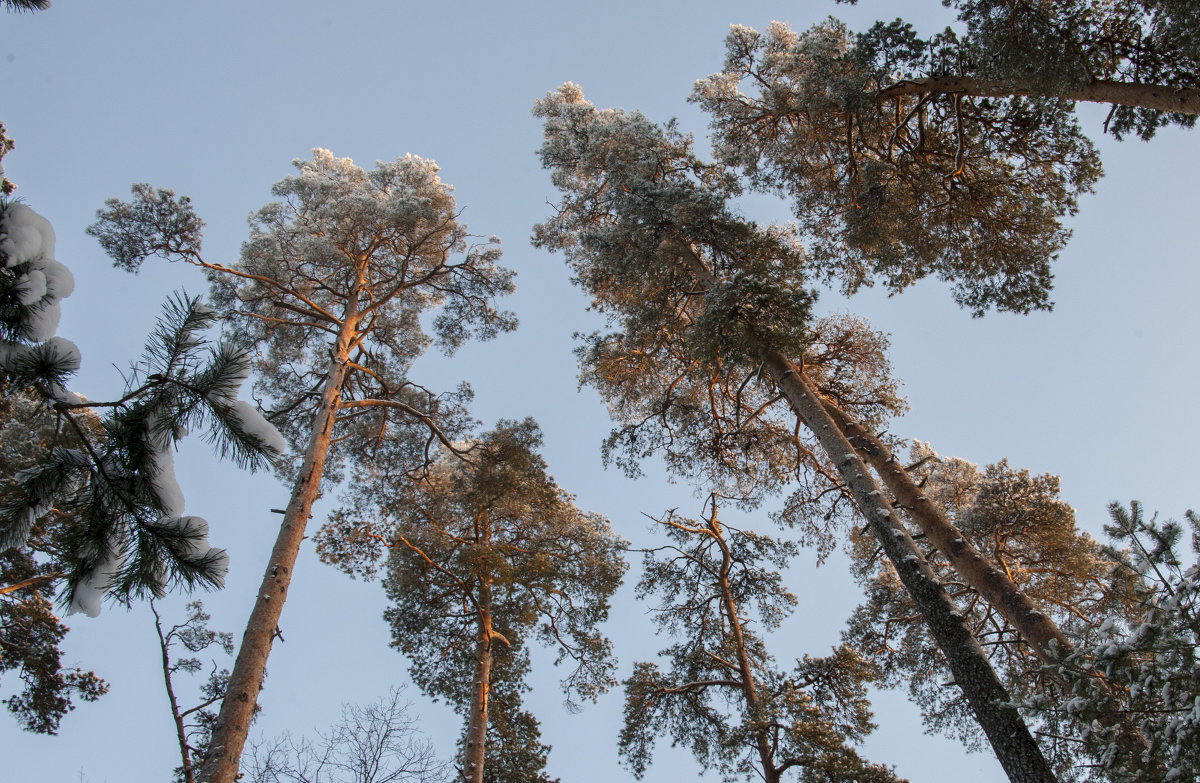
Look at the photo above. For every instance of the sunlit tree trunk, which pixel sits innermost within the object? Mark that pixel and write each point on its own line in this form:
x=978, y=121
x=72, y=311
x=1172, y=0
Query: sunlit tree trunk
x=237, y=709
x=475, y=744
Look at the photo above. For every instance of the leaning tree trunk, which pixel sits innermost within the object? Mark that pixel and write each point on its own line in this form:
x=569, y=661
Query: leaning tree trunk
x=1162, y=97
x=475, y=742
x=1014, y=746
x=237, y=708
x=1010, y=739
x=1042, y=633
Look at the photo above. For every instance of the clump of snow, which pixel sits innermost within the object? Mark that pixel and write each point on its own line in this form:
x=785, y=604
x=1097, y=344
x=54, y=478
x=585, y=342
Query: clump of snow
x=64, y=352
x=27, y=247
x=61, y=394
x=90, y=591
x=162, y=474
x=245, y=417
x=195, y=529
x=26, y=235
x=31, y=286
x=253, y=423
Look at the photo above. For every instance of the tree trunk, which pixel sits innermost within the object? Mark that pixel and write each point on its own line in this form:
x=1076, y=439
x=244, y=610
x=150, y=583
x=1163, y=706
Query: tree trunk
x=769, y=772
x=1011, y=741
x=180, y=730
x=1046, y=638
x=1145, y=96
x=237, y=708
x=1042, y=633
x=475, y=742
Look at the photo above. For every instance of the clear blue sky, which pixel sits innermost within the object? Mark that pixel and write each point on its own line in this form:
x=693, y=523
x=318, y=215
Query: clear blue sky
x=214, y=99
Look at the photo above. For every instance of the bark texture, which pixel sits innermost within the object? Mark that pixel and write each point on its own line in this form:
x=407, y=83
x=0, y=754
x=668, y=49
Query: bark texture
x=237, y=708
x=1146, y=96
x=475, y=744
x=1010, y=739
x=1043, y=634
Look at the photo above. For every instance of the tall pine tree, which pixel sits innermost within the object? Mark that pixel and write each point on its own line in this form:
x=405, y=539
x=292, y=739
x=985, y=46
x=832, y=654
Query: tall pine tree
x=329, y=292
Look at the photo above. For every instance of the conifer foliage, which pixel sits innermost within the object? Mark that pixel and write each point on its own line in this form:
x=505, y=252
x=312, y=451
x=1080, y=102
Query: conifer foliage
x=485, y=555
x=891, y=190
x=645, y=226
x=90, y=502
x=1140, y=56
x=723, y=695
x=1151, y=655
x=329, y=294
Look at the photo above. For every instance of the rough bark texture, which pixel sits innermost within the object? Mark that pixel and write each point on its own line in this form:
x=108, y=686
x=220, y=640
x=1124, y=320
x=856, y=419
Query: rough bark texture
x=1146, y=96
x=237, y=709
x=1042, y=633
x=1011, y=741
x=1047, y=639
x=477, y=721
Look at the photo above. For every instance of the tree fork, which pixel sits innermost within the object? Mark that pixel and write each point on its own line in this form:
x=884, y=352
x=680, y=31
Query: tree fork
x=770, y=772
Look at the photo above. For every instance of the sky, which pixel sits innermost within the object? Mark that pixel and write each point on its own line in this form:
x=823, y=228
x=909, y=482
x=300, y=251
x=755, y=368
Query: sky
x=215, y=99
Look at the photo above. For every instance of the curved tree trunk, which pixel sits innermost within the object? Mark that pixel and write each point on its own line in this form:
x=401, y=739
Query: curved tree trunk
x=1146, y=96
x=766, y=756
x=237, y=708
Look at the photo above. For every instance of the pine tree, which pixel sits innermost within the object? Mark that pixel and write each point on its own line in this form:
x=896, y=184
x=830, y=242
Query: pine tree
x=29, y=579
x=722, y=694
x=122, y=528
x=896, y=190
x=956, y=156
x=485, y=556
x=90, y=505
x=1140, y=56
x=1017, y=521
x=329, y=293
x=1150, y=658
x=646, y=228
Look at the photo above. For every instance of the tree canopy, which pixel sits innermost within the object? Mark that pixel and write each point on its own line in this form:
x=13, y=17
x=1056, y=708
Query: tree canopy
x=485, y=556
